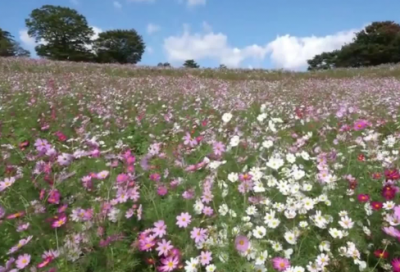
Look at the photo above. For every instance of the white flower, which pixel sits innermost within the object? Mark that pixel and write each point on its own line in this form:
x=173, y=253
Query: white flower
x=322, y=260
x=191, y=265
x=223, y=209
x=288, y=252
x=210, y=268
x=258, y=187
x=251, y=210
x=273, y=223
x=259, y=232
x=198, y=207
x=267, y=143
x=261, y=117
x=305, y=155
x=388, y=205
x=308, y=203
x=298, y=174
x=325, y=246
x=275, y=163
x=261, y=258
x=233, y=177
x=303, y=224
x=290, y=237
x=276, y=246
x=226, y=117
x=335, y=233
x=235, y=140
x=346, y=222
x=290, y=158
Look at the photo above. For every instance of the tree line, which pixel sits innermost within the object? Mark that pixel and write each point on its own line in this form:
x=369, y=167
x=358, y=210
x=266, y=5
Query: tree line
x=62, y=33
x=378, y=43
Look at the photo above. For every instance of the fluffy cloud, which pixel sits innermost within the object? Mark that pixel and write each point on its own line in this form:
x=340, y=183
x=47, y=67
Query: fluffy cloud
x=288, y=52
x=26, y=40
x=152, y=28
x=117, y=5
x=291, y=52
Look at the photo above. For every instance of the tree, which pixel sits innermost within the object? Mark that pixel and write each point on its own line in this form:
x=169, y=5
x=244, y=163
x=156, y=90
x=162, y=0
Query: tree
x=378, y=43
x=9, y=47
x=66, y=33
x=223, y=67
x=190, y=64
x=121, y=46
x=165, y=64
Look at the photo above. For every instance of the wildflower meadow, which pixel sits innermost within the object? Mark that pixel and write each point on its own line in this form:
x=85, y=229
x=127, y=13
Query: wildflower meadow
x=107, y=170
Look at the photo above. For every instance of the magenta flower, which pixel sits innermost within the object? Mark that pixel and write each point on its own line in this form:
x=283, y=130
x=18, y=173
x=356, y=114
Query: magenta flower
x=205, y=257
x=280, y=264
x=396, y=265
x=23, y=261
x=363, y=197
x=162, y=190
x=199, y=235
x=155, y=177
x=360, y=124
x=183, y=220
x=122, y=178
x=188, y=194
x=54, y=196
x=241, y=243
x=164, y=247
x=160, y=229
x=392, y=231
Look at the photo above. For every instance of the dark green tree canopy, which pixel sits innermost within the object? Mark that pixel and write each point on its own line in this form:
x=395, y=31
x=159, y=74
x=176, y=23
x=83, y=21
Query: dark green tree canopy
x=9, y=47
x=121, y=46
x=65, y=30
x=190, y=64
x=165, y=64
x=378, y=43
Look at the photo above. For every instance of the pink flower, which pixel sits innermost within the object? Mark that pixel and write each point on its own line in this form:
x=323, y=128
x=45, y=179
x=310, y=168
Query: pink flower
x=59, y=221
x=160, y=229
x=155, y=177
x=188, y=194
x=122, y=178
x=198, y=235
x=396, y=265
x=54, y=196
x=162, y=190
x=64, y=159
x=188, y=140
x=102, y=174
x=360, y=124
x=392, y=231
x=363, y=197
x=23, y=261
x=241, y=243
x=280, y=264
x=218, y=148
x=164, y=247
x=396, y=212
x=208, y=211
x=169, y=264
x=183, y=220
x=205, y=257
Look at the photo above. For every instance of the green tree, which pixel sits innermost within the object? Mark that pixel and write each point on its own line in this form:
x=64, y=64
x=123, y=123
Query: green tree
x=165, y=64
x=376, y=44
x=121, y=46
x=190, y=64
x=65, y=31
x=9, y=47
x=223, y=67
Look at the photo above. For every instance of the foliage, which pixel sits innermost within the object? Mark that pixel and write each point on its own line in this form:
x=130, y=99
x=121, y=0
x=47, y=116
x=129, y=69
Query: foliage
x=64, y=34
x=120, y=46
x=165, y=64
x=190, y=64
x=378, y=43
x=9, y=47
x=102, y=172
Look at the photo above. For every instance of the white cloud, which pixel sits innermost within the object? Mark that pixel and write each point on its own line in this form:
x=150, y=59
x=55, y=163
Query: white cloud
x=193, y=3
x=209, y=45
x=152, y=28
x=288, y=52
x=28, y=41
x=291, y=52
x=117, y=5
x=97, y=31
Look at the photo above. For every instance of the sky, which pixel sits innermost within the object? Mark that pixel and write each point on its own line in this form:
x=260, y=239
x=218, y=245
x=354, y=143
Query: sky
x=272, y=34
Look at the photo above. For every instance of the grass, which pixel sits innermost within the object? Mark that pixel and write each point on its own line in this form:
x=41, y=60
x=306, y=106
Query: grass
x=269, y=168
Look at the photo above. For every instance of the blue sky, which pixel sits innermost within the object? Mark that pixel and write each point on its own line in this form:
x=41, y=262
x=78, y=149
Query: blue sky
x=252, y=33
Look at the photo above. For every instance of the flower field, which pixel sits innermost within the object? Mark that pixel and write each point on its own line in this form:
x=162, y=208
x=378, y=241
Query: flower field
x=104, y=171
